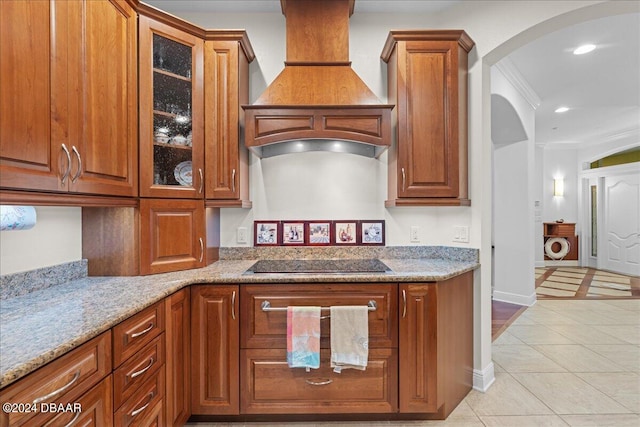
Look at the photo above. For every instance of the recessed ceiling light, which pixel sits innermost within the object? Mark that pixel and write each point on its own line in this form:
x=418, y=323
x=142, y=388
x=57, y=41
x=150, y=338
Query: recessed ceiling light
x=562, y=109
x=585, y=48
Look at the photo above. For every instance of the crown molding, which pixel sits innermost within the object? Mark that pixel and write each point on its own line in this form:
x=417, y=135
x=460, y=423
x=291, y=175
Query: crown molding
x=513, y=75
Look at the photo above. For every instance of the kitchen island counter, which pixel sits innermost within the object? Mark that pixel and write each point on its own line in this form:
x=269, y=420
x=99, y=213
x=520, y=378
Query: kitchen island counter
x=38, y=326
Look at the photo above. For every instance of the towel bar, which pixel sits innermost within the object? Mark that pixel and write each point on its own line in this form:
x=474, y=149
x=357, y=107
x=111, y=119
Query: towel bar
x=266, y=306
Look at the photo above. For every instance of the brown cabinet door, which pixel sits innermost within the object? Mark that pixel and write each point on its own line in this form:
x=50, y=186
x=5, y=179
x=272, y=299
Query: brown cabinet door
x=178, y=331
x=33, y=100
x=68, y=116
x=427, y=115
x=418, y=360
x=103, y=94
x=172, y=235
x=171, y=112
x=227, y=77
x=215, y=350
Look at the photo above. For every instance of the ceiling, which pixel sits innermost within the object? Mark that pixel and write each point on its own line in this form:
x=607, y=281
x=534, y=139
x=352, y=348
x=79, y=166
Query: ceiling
x=601, y=88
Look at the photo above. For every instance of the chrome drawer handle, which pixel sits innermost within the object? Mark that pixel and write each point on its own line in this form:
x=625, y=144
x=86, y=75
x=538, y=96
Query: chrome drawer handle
x=404, y=179
x=201, y=180
x=404, y=303
x=233, y=181
x=322, y=382
x=59, y=391
x=66, y=173
x=75, y=418
x=143, y=370
x=77, y=175
x=143, y=407
x=137, y=334
x=233, y=305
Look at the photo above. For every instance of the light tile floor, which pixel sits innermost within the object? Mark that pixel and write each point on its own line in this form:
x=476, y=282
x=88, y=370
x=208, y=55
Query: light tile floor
x=561, y=363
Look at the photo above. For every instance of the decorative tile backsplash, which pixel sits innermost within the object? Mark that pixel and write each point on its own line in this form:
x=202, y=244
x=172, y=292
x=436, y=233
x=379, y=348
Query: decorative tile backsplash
x=319, y=233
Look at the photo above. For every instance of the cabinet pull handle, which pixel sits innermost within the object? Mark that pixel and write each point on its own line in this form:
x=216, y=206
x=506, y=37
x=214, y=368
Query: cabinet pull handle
x=233, y=181
x=143, y=407
x=372, y=305
x=143, y=370
x=201, y=249
x=59, y=391
x=233, y=305
x=201, y=180
x=69, y=424
x=321, y=382
x=404, y=303
x=66, y=173
x=404, y=179
x=137, y=334
x=77, y=175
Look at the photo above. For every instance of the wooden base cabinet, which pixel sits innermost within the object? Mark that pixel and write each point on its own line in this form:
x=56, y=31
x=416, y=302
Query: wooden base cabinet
x=427, y=80
x=436, y=345
x=215, y=346
x=178, y=361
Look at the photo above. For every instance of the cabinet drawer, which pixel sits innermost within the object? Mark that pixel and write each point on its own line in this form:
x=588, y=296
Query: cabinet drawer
x=271, y=387
x=261, y=329
x=134, y=333
x=62, y=381
x=97, y=409
x=136, y=370
x=140, y=408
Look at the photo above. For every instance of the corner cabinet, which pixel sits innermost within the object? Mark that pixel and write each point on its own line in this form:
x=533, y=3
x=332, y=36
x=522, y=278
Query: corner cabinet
x=215, y=345
x=68, y=105
x=227, y=56
x=427, y=80
x=178, y=360
x=171, y=112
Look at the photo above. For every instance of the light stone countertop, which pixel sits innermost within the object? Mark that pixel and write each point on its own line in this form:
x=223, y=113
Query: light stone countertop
x=43, y=324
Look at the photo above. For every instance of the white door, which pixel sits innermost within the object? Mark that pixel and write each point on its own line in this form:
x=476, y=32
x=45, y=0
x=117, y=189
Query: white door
x=619, y=248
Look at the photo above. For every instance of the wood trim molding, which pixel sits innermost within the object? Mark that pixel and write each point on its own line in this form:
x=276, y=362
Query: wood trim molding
x=9, y=197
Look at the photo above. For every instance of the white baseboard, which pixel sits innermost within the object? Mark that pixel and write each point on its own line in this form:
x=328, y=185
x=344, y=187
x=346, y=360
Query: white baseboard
x=527, y=300
x=482, y=380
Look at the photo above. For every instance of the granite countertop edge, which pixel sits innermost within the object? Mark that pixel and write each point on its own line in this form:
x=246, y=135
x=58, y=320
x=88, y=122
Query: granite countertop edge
x=32, y=333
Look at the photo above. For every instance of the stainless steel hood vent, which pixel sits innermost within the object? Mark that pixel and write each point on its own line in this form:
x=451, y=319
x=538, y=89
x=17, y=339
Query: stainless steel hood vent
x=317, y=96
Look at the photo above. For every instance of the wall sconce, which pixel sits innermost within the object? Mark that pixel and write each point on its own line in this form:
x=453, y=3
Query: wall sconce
x=558, y=187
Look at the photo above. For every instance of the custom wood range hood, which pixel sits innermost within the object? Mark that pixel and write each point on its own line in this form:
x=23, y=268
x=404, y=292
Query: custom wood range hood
x=317, y=103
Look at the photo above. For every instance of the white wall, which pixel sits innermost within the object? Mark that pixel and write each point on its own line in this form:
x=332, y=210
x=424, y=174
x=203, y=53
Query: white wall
x=55, y=239
x=513, y=199
x=559, y=163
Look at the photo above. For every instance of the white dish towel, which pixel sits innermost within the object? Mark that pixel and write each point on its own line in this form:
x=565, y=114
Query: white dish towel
x=349, y=337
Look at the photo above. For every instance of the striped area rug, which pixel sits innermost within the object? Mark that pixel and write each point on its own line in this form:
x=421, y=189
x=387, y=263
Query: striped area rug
x=584, y=283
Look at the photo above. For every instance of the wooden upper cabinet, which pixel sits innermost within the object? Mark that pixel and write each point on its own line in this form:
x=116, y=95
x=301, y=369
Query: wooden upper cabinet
x=69, y=79
x=31, y=155
x=427, y=80
x=171, y=112
x=227, y=57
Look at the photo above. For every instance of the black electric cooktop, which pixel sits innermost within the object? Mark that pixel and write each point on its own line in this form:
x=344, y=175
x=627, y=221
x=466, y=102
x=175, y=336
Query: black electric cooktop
x=319, y=266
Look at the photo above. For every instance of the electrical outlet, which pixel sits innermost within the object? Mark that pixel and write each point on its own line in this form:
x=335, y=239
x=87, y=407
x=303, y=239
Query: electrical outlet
x=461, y=234
x=414, y=235
x=241, y=235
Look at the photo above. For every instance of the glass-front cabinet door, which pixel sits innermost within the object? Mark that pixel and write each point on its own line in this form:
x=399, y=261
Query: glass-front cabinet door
x=171, y=112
